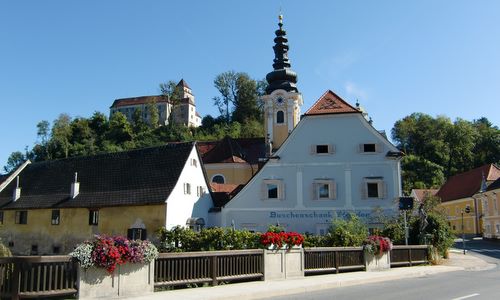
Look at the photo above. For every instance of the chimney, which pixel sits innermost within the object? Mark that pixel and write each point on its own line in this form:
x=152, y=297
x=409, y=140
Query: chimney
x=17, y=191
x=75, y=187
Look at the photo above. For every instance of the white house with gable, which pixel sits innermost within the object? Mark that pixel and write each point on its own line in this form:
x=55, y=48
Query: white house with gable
x=333, y=163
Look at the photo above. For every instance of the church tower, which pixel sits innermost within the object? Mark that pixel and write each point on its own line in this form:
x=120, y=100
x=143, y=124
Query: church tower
x=282, y=100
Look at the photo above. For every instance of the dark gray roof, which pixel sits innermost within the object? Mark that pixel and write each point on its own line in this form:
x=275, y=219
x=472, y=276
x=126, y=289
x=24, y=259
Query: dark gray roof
x=138, y=177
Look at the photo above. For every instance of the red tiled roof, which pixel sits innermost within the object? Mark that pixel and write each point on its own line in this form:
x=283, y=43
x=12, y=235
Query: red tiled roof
x=229, y=150
x=139, y=100
x=466, y=184
x=331, y=103
x=421, y=194
x=223, y=187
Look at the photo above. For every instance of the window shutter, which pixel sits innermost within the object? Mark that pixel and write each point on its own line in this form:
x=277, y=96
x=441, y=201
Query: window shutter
x=331, y=149
x=361, y=148
x=313, y=149
x=364, y=190
x=378, y=147
x=263, y=190
x=315, y=191
x=281, y=191
x=381, y=189
x=333, y=190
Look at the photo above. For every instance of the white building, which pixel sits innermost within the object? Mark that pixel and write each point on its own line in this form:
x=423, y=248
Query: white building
x=184, y=113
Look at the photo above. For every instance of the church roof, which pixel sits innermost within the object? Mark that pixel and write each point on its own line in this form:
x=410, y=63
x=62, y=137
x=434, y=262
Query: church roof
x=331, y=103
x=139, y=100
x=138, y=177
x=466, y=184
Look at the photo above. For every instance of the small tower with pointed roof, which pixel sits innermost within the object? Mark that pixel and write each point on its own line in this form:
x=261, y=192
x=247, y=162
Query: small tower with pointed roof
x=282, y=101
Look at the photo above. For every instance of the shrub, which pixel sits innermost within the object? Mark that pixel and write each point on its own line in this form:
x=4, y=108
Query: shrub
x=349, y=232
x=4, y=250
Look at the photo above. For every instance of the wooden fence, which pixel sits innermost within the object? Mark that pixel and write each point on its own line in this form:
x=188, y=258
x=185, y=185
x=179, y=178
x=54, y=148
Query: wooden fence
x=173, y=269
x=37, y=276
x=324, y=260
x=409, y=255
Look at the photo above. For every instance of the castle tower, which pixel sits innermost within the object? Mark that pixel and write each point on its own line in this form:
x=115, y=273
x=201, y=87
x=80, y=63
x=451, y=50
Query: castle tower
x=282, y=100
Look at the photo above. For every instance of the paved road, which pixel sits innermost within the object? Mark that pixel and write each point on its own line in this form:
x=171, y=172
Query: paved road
x=474, y=285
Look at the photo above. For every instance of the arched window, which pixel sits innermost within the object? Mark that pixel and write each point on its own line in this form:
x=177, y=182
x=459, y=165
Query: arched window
x=280, y=117
x=218, y=179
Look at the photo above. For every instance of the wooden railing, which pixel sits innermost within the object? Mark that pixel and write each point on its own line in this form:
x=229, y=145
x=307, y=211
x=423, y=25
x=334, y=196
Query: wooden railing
x=37, y=276
x=409, y=255
x=333, y=260
x=173, y=269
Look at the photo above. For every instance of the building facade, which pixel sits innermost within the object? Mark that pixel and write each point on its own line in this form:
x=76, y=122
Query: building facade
x=183, y=113
x=49, y=207
x=490, y=201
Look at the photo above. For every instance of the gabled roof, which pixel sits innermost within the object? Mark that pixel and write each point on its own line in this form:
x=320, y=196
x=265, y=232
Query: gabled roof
x=495, y=185
x=421, y=194
x=138, y=177
x=139, y=100
x=330, y=103
x=183, y=83
x=466, y=184
x=229, y=150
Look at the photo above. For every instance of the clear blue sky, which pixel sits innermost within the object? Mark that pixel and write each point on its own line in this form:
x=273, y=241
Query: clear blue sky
x=396, y=57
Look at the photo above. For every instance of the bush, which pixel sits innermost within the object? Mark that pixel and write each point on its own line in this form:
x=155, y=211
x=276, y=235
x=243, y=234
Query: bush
x=440, y=233
x=4, y=250
x=349, y=232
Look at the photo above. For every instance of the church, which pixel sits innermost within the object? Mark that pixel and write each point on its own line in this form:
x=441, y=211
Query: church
x=327, y=164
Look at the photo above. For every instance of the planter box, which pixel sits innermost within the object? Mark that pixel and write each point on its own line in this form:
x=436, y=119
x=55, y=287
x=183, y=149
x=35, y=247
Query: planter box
x=283, y=264
x=377, y=262
x=127, y=280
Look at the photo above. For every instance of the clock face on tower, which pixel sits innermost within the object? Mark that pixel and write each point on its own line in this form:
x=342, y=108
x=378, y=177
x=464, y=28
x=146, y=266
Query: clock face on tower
x=279, y=101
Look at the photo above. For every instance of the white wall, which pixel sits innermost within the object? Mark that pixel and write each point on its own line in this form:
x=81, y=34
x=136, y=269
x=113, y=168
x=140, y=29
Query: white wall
x=297, y=167
x=180, y=206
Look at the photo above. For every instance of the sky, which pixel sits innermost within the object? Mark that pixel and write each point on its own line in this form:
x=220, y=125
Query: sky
x=395, y=57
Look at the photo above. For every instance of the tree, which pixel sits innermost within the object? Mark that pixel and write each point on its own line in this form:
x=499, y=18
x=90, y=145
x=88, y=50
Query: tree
x=120, y=130
x=15, y=160
x=61, y=133
x=420, y=173
x=487, y=143
x=460, y=138
x=154, y=118
x=174, y=94
x=225, y=83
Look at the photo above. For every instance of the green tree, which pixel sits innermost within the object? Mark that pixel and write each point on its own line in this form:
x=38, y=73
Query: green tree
x=154, y=118
x=60, y=145
x=420, y=173
x=15, y=160
x=120, y=130
x=347, y=232
x=487, y=143
x=173, y=92
x=460, y=138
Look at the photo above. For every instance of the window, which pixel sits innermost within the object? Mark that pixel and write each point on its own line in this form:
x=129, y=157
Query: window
x=280, y=117
x=93, y=217
x=187, y=189
x=136, y=234
x=369, y=148
x=218, y=179
x=273, y=189
x=194, y=163
x=200, y=191
x=22, y=217
x=373, y=187
x=56, y=249
x=324, y=189
x=34, y=250
x=498, y=228
x=55, y=217
x=323, y=149
x=1, y=217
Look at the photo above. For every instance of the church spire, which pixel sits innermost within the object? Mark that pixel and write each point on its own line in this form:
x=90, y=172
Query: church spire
x=282, y=77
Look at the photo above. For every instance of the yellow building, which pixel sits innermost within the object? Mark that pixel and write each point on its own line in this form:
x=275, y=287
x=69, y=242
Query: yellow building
x=48, y=207
x=490, y=200
x=460, y=204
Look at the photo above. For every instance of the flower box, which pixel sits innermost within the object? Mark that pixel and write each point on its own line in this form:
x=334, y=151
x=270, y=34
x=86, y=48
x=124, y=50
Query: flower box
x=283, y=264
x=377, y=262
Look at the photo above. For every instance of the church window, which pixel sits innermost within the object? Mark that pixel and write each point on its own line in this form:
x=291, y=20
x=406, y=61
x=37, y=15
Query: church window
x=280, y=117
x=218, y=179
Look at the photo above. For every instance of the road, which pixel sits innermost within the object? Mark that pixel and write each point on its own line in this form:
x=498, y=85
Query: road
x=474, y=285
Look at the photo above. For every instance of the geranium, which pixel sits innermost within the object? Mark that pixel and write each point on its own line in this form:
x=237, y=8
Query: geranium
x=108, y=252
x=377, y=245
x=280, y=239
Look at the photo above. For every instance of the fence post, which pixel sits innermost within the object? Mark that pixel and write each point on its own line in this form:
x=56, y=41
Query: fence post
x=336, y=261
x=16, y=278
x=409, y=256
x=214, y=270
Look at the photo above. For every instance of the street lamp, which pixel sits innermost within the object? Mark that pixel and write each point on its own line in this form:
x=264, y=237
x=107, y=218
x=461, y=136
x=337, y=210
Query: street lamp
x=467, y=210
